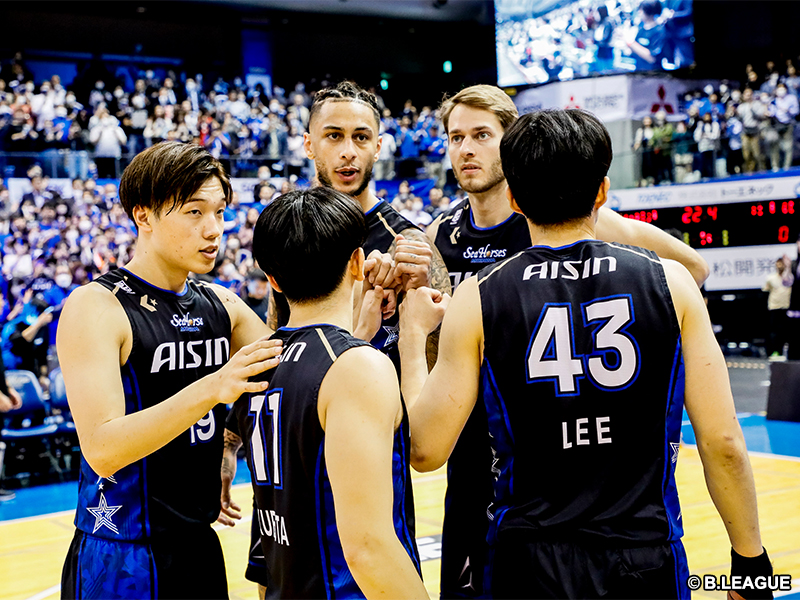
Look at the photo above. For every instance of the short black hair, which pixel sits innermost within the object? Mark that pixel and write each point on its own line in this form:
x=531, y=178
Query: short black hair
x=167, y=174
x=346, y=91
x=305, y=239
x=554, y=162
x=652, y=8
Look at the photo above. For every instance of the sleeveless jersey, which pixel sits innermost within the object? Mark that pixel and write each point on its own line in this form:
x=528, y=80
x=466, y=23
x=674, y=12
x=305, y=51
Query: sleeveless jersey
x=582, y=378
x=285, y=452
x=177, y=339
x=467, y=248
x=384, y=223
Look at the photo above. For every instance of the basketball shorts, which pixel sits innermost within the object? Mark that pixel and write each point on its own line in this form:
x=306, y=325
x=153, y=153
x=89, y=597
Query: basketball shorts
x=180, y=565
x=520, y=569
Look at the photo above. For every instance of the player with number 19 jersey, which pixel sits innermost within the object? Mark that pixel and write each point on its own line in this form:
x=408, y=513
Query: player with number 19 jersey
x=582, y=379
x=286, y=457
x=178, y=338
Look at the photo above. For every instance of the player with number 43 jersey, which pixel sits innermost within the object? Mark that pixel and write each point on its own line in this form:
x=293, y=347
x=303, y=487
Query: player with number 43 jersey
x=583, y=353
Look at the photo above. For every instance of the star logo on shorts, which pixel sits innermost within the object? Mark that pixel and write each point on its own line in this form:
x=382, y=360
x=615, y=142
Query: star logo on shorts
x=102, y=515
x=392, y=334
x=675, y=447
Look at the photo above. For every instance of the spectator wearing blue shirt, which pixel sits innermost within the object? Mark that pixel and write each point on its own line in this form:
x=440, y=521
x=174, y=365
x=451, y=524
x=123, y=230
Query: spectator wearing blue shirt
x=783, y=109
x=733, y=131
x=648, y=44
x=57, y=295
x=407, y=149
x=435, y=151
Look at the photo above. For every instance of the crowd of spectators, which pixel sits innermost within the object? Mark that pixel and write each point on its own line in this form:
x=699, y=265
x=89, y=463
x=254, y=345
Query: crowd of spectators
x=95, y=134
x=55, y=238
x=733, y=129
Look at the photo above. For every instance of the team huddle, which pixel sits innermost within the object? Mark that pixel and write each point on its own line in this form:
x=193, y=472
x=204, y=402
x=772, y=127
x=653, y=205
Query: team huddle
x=552, y=382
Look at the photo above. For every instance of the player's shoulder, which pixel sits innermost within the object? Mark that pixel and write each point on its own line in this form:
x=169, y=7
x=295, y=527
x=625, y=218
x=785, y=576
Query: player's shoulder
x=91, y=297
x=232, y=303
x=93, y=310
x=362, y=364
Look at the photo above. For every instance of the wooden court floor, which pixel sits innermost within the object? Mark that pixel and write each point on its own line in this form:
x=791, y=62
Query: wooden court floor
x=32, y=550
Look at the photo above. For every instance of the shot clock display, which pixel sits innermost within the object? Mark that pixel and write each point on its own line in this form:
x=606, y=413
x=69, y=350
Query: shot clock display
x=735, y=224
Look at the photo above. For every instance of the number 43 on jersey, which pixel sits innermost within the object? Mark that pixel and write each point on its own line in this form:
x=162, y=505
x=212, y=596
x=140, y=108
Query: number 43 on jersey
x=613, y=362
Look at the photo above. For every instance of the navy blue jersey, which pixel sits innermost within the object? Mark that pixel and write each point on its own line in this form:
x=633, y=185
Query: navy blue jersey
x=466, y=249
x=582, y=378
x=177, y=339
x=384, y=224
x=286, y=456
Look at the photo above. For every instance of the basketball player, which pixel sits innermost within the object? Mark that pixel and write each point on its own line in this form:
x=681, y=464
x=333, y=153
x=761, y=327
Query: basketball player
x=145, y=357
x=476, y=233
x=578, y=349
x=343, y=140
x=328, y=441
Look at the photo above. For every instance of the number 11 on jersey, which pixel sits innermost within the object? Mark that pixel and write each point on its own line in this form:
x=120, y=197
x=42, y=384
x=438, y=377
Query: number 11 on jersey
x=258, y=442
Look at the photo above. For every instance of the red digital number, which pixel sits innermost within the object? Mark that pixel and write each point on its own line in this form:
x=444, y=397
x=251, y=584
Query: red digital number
x=772, y=207
x=686, y=217
x=655, y=215
x=698, y=212
x=705, y=238
x=711, y=211
x=787, y=208
x=757, y=210
x=783, y=234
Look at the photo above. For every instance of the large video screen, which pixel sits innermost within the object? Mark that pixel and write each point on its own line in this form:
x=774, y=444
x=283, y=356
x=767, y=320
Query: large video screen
x=557, y=40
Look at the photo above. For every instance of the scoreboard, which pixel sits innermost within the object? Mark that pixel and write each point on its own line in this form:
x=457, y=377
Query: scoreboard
x=739, y=225
x=734, y=224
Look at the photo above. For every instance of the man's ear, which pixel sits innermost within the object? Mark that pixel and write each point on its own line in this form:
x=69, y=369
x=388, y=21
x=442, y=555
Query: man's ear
x=307, y=146
x=143, y=218
x=602, y=193
x=356, y=264
x=378, y=149
x=512, y=202
x=274, y=284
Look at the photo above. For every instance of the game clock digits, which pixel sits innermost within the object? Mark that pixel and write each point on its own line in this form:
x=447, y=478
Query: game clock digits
x=721, y=225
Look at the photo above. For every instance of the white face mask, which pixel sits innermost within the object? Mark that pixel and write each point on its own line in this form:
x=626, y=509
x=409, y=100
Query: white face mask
x=63, y=280
x=780, y=92
x=417, y=206
x=118, y=93
x=85, y=226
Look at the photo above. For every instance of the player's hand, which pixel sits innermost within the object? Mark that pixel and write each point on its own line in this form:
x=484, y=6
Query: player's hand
x=370, y=315
x=230, y=512
x=422, y=310
x=413, y=263
x=379, y=270
x=233, y=379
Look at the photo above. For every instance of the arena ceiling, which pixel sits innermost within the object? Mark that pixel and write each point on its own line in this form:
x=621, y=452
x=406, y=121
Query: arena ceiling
x=425, y=10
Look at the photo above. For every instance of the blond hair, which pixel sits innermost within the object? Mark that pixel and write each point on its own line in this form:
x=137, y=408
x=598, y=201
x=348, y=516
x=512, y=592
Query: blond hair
x=484, y=97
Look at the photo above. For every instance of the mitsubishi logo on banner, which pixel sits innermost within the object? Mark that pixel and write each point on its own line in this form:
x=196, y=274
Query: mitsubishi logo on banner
x=662, y=104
